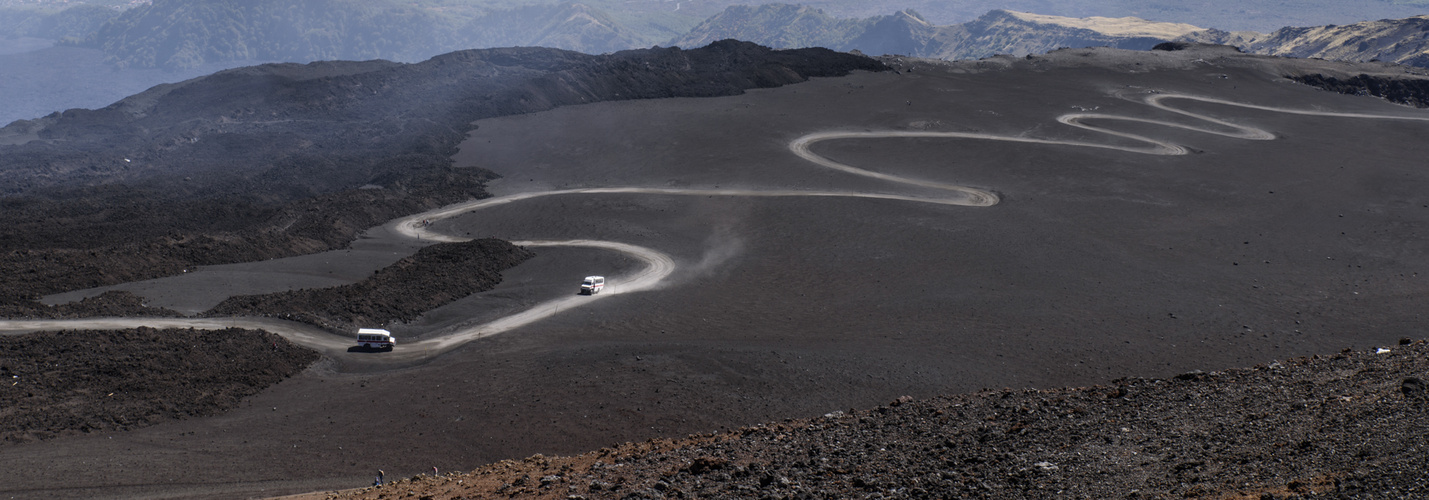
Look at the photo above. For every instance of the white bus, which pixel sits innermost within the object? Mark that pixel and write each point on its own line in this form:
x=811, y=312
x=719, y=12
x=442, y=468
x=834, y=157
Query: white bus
x=592, y=285
x=374, y=338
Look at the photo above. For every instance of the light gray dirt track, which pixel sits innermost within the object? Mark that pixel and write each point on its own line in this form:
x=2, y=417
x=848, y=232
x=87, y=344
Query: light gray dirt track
x=659, y=265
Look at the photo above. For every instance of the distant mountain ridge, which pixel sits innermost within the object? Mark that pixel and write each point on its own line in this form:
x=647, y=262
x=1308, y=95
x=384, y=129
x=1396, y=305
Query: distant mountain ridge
x=179, y=34
x=1019, y=33
x=570, y=26
x=189, y=33
x=75, y=22
x=908, y=33
x=1403, y=41
x=781, y=25
x=170, y=40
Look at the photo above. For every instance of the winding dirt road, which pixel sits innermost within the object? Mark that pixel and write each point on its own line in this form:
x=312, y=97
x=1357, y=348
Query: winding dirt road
x=658, y=265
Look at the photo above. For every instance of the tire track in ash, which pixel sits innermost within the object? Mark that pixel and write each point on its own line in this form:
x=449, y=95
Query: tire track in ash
x=659, y=266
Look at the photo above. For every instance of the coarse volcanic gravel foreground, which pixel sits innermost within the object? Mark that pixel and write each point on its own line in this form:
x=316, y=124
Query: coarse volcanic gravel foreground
x=1349, y=425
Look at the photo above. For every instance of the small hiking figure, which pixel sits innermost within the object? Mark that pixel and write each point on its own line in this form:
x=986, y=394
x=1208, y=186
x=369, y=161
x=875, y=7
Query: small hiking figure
x=378, y=481
x=434, y=472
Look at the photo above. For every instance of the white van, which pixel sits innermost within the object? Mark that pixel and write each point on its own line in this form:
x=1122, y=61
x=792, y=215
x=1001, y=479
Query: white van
x=592, y=285
x=373, y=338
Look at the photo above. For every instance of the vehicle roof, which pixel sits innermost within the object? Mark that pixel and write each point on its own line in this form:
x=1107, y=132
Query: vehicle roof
x=589, y=278
x=373, y=330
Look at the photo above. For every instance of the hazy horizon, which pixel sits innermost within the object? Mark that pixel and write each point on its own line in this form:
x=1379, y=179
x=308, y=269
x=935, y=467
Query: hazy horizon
x=40, y=78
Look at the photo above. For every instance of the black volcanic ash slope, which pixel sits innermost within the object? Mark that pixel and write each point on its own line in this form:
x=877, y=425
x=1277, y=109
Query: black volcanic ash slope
x=272, y=160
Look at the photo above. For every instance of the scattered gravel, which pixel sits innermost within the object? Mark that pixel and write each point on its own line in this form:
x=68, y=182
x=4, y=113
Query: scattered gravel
x=1349, y=425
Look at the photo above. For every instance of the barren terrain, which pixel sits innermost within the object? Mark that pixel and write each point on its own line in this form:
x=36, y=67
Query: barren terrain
x=1043, y=222
x=1338, y=426
x=132, y=378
